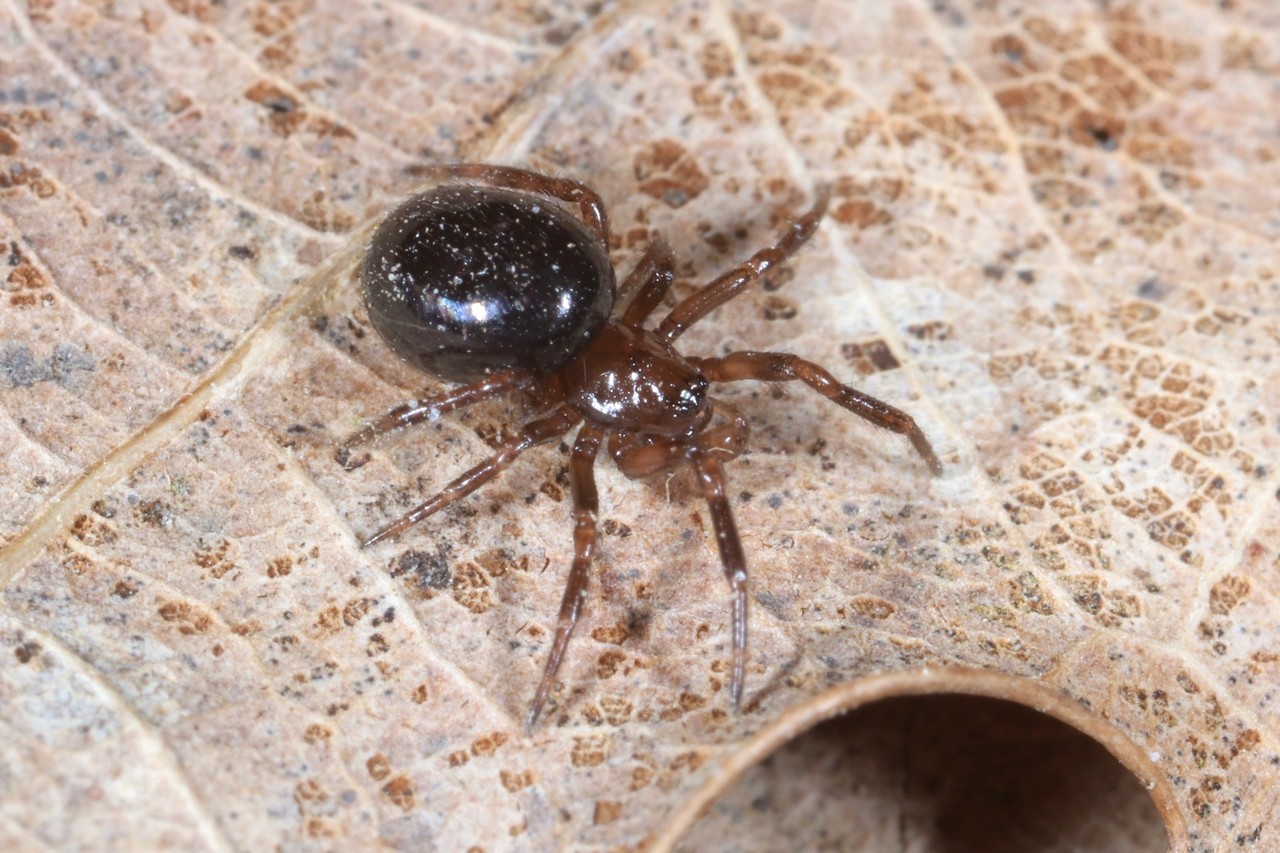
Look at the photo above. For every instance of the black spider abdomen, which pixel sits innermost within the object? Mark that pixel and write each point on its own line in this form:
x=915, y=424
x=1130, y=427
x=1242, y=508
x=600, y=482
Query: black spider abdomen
x=466, y=280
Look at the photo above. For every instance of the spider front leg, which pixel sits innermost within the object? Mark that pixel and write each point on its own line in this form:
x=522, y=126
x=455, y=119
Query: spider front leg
x=639, y=455
x=535, y=432
x=712, y=484
x=785, y=367
x=586, y=505
x=732, y=283
x=651, y=279
x=416, y=411
x=590, y=205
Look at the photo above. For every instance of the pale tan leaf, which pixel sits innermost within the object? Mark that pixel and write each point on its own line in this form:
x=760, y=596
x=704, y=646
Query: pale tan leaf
x=1053, y=240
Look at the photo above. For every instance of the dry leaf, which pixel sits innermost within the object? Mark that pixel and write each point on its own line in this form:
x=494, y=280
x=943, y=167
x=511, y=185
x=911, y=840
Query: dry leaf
x=1053, y=240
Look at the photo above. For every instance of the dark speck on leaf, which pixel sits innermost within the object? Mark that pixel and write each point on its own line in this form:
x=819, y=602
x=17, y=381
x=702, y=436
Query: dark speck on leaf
x=429, y=570
x=1153, y=289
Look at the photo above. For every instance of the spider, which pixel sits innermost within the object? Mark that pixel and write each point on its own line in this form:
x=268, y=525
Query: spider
x=489, y=280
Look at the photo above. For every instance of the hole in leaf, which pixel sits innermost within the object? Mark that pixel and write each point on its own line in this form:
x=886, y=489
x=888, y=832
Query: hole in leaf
x=935, y=773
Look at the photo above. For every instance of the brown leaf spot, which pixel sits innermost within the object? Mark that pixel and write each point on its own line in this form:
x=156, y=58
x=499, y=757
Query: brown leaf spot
x=689, y=760
x=669, y=172
x=155, y=513
x=616, y=710
x=1175, y=530
x=1096, y=130
x=1155, y=54
x=26, y=277
x=283, y=109
x=870, y=357
x=691, y=702
x=26, y=651
x=272, y=19
x=488, y=744
x=1036, y=109
x=191, y=620
x=1025, y=595
x=317, y=734
x=516, y=781
x=355, y=610
x=641, y=777
x=78, y=564
x=1151, y=222
x=606, y=811
x=613, y=634
x=934, y=330
x=471, y=588
x=871, y=607
x=615, y=528
x=860, y=212
x=400, y=791
x=280, y=567
x=308, y=791
x=496, y=562
x=330, y=620
x=716, y=59
x=319, y=212
x=379, y=766
x=215, y=560
x=608, y=664
x=590, y=750
x=1105, y=81
x=1227, y=593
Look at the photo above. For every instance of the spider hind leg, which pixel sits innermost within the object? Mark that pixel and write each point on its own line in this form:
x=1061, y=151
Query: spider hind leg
x=586, y=506
x=535, y=432
x=417, y=411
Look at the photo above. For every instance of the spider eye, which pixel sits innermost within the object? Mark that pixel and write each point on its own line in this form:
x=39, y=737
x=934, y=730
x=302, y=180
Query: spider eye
x=690, y=397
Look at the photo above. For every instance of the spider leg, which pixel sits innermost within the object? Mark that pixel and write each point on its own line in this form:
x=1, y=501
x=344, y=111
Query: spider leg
x=732, y=283
x=653, y=276
x=510, y=177
x=585, y=507
x=785, y=367
x=639, y=455
x=711, y=481
x=416, y=411
x=535, y=432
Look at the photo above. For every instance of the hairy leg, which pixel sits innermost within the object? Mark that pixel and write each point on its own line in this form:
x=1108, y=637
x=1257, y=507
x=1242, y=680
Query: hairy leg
x=712, y=483
x=585, y=507
x=407, y=414
x=653, y=276
x=785, y=367
x=510, y=177
x=732, y=283
x=535, y=432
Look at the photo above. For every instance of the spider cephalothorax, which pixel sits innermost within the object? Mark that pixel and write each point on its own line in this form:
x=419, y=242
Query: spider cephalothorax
x=486, y=279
